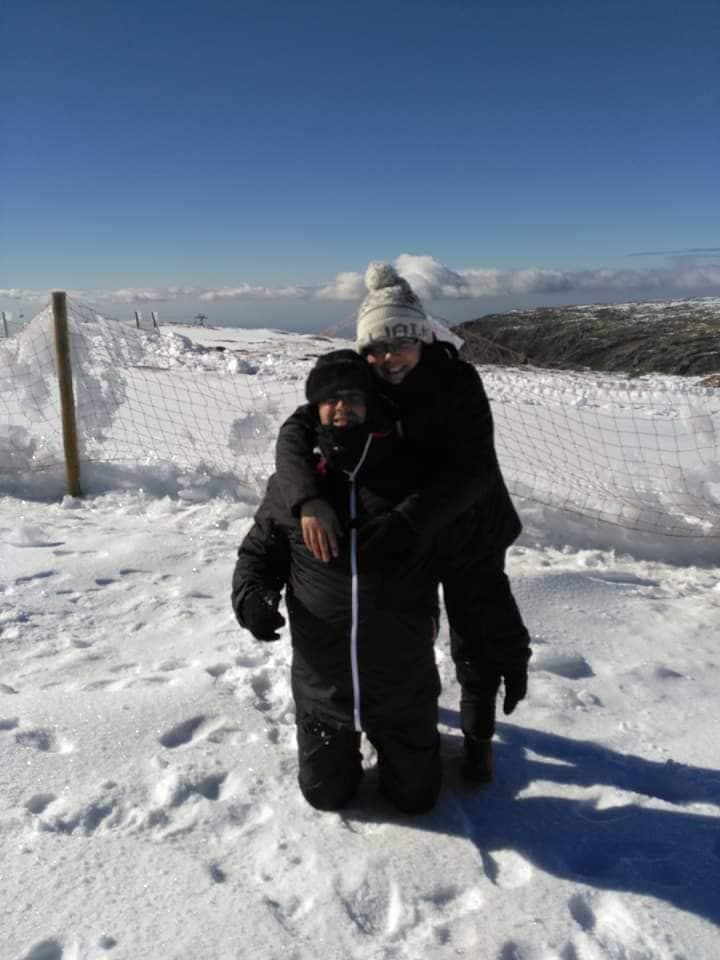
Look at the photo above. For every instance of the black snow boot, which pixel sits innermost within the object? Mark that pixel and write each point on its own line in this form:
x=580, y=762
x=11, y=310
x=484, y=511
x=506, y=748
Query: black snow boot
x=477, y=765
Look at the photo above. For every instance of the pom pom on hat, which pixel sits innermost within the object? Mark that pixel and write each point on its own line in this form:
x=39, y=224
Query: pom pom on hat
x=379, y=275
x=391, y=309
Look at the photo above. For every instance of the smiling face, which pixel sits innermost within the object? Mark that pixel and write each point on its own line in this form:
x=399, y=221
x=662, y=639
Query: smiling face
x=347, y=408
x=392, y=360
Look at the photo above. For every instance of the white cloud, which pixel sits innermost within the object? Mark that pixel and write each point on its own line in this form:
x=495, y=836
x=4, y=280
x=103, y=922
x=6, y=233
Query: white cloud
x=248, y=292
x=699, y=276
x=431, y=279
x=345, y=286
x=490, y=282
x=621, y=279
x=133, y=295
x=16, y=293
x=434, y=281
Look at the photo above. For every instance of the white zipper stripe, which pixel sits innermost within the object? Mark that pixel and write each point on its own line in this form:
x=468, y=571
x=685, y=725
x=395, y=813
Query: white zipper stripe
x=354, y=630
x=355, y=596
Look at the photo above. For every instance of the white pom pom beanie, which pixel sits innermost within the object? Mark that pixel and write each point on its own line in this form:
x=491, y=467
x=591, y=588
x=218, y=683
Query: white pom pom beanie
x=391, y=309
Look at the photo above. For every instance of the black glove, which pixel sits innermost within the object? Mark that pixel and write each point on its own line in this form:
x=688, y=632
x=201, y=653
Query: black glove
x=516, y=684
x=260, y=615
x=385, y=542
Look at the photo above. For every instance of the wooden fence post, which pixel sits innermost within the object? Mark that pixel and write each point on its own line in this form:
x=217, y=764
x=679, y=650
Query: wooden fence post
x=138, y=319
x=67, y=399
x=5, y=326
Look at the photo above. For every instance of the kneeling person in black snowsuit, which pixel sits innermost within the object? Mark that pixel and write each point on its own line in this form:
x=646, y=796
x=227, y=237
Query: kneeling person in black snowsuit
x=363, y=658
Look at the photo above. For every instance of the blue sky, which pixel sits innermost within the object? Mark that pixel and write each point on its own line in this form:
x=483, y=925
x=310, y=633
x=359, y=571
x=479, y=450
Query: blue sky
x=236, y=158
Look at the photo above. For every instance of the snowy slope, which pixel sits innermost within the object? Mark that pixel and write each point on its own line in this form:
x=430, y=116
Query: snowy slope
x=148, y=806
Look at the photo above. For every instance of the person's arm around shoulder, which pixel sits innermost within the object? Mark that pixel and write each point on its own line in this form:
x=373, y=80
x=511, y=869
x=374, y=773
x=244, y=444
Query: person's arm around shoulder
x=294, y=465
x=298, y=482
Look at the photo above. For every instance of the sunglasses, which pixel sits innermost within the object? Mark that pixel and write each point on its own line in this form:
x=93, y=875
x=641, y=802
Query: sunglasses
x=400, y=345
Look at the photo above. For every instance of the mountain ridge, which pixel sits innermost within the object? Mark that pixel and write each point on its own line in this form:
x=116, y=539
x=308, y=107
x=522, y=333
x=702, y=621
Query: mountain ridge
x=679, y=337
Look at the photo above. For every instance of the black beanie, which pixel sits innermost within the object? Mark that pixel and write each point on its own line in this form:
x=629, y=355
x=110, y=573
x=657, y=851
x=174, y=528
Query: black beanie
x=338, y=370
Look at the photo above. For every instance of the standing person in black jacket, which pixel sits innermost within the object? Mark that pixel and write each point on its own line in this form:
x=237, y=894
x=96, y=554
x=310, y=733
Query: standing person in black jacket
x=460, y=500
x=363, y=639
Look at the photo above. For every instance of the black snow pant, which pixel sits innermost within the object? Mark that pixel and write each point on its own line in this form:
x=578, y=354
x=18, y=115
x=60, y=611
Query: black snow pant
x=408, y=757
x=487, y=636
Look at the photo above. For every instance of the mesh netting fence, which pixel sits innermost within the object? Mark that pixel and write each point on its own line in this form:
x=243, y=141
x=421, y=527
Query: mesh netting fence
x=641, y=455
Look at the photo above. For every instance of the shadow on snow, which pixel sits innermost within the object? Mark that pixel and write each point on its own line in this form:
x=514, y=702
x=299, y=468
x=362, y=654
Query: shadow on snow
x=672, y=855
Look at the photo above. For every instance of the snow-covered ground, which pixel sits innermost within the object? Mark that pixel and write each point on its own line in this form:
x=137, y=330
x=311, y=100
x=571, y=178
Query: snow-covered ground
x=148, y=805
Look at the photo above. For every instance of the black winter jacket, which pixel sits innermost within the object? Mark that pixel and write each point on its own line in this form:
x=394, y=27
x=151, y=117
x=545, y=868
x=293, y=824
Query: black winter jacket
x=362, y=644
x=459, y=494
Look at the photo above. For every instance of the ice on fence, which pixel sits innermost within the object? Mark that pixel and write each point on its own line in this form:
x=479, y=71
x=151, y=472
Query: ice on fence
x=640, y=454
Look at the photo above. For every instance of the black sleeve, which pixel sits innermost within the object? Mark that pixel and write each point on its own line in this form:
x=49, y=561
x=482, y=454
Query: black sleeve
x=464, y=466
x=263, y=564
x=294, y=467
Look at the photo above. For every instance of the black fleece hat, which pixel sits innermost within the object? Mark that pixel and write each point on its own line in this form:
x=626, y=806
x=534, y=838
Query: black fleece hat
x=338, y=370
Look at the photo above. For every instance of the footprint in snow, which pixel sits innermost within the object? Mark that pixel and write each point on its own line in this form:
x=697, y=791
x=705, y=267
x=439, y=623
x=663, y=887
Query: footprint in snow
x=581, y=911
x=6, y=688
x=261, y=684
x=80, y=644
x=42, y=575
x=43, y=740
x=222, y=734
x=571, y=666
x=607, y=927
x=217, y=670
x=507, y=869
x=106, y=685
x=170, y=665
x=126, y=683
x=122, y=667
x=68, y=816
x=270, y=694
x=217, y=874
x=176, y=787
x=366, y=906
x=184, y=732
x=151, y=681
x=667, y=673
x=446, y=915
x=39, y=802
x=86, y=819
x=250, y=660
x=45, y=950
